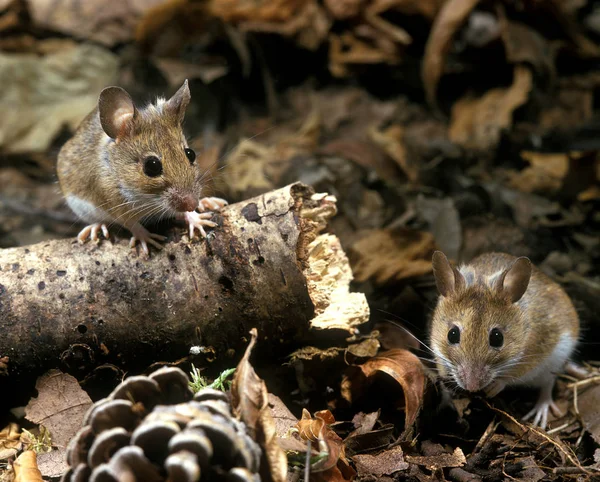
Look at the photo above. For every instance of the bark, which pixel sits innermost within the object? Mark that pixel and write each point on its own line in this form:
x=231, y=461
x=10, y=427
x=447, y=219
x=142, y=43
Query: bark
x=265, y=265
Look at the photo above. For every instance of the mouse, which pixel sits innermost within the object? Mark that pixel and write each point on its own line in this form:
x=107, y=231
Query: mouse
x=127, y=166
x=500, y=321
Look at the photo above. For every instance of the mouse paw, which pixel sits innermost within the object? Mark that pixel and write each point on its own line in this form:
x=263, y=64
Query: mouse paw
x=198, y=221
x=211, y=204
x=92, y=232
x=145, y=237
x=540, y=413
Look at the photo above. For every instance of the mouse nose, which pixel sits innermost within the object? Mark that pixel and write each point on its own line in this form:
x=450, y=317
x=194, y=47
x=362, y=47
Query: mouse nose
x=473, y=378
x=187, y=203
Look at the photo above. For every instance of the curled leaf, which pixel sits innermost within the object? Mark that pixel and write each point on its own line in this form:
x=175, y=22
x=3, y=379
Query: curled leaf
x=402, y=366
x=318, y=430
x=250, y=403
x=450, y=18
x=478, y=122
x=26, y=469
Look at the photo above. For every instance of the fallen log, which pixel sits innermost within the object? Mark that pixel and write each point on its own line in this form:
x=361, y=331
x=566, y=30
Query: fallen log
x=266, y=266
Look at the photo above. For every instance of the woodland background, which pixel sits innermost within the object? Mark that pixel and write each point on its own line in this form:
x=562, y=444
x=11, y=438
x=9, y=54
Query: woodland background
x=461, y=125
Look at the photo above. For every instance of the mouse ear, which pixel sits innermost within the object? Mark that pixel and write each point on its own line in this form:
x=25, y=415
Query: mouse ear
x=177, y=104
x=514, y=280
x=447, y=279
x=116, y=111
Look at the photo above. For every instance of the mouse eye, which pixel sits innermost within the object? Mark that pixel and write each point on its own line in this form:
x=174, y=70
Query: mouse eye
x=454, y=335
x=496, y=338
x=152, y=166
x=191, y=155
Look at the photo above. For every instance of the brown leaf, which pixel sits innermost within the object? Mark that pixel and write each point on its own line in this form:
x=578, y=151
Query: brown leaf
x=283, y=418
x=250, y=403
x=524, y=45
x=384, y=463
x=436, y=462
x=318, y=431
x=81, y=72
x=545, y=174
x=255, y=10
x=52, y=464
x=448, y=21
x=91, y=19
x=60, y=406
x=426, y=8
x=10, y=441
x=26, y=469
x=402, y=366
x=165, y=27
x=364, y=422
x=385, y=255
x=391, y=140
x=344, y=9
x=587, y=405
x=368, y=45
x=309, y=26
x=477, y=122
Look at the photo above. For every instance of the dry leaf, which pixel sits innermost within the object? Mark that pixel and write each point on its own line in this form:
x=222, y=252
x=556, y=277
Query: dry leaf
x=391, y=140
x=42, y=95
x=545, y=175
x=385, y=255
x=26, y=469
x=384, y=463
x=344, y=9
x=283, y=418
x=477, y=122
x=318, y=431
x=60, y=406
x=309, y=26
x=404, y=367
x=526, y=46
x=91, y=19
x=426, y=8
x=436, y=462
x=448, y=21
x=587, y=405
x=52, y=464
x=349, y=49
x=255, y=10
x=10, y=441
x=250, y=403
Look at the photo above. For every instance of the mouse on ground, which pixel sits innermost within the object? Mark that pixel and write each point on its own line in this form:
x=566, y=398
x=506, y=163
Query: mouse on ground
x=127, y=166
x=501, y=322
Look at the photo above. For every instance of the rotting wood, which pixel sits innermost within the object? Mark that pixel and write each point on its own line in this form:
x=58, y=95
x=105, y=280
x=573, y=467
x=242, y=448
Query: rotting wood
x=265, y=266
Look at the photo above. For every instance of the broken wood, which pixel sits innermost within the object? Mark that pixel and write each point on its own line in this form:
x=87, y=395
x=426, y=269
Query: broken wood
x=265, y=266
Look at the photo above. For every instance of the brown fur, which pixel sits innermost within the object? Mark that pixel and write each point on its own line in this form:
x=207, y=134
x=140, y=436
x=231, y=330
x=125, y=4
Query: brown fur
x=531, y=326
x=109, y=172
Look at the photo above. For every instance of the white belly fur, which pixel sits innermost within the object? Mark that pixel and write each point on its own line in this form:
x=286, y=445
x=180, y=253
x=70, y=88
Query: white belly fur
x=87, y=211
x=552, y=365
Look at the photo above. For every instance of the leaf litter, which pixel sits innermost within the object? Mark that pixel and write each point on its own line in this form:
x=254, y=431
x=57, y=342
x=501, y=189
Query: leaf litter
x=502, y=157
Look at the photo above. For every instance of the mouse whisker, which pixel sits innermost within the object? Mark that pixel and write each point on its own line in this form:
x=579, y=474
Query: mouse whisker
x=410, y=334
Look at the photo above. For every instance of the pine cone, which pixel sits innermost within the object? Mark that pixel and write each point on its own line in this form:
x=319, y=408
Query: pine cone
x=152, y=428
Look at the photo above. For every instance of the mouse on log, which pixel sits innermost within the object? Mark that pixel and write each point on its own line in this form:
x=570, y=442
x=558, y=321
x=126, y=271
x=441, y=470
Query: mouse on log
x=501, y=322
x=127, y=166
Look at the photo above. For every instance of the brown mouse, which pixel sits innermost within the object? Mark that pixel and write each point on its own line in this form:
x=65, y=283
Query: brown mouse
x=500, y=321
x=126, y=166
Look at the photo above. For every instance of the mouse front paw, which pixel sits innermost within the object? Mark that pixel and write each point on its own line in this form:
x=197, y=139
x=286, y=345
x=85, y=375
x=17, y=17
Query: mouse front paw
x=198, y=221
x=91, y=232
x=211, y=204
x=145, y=237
